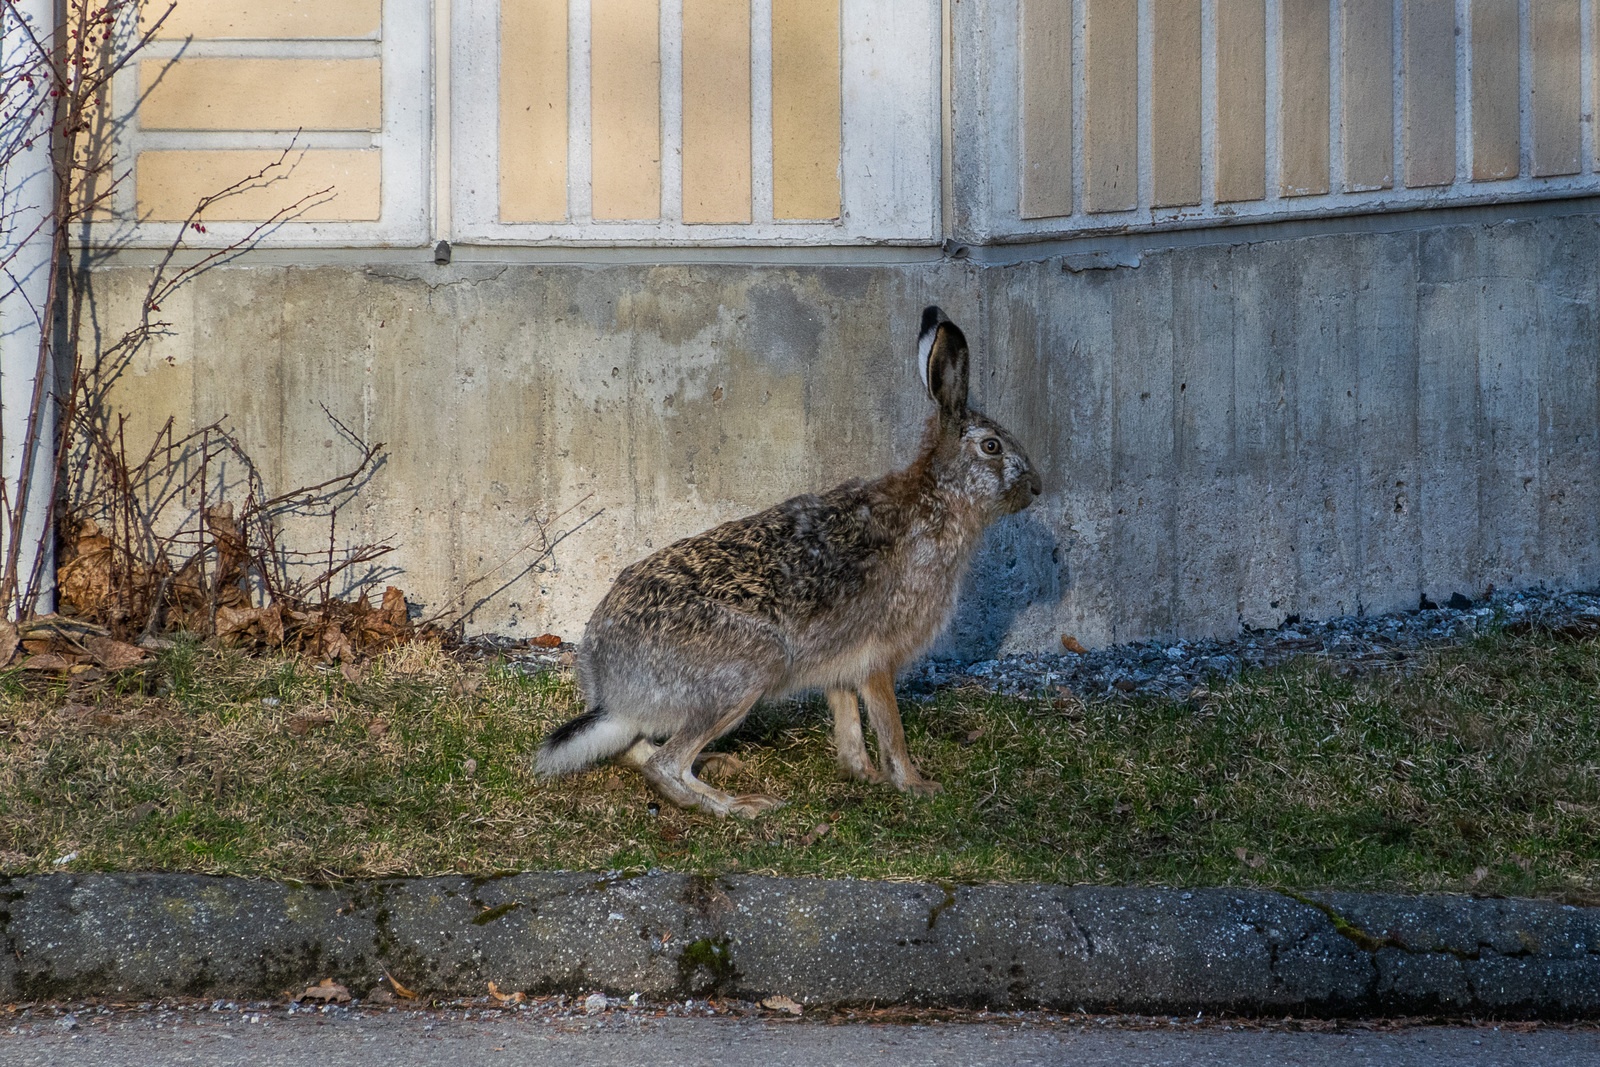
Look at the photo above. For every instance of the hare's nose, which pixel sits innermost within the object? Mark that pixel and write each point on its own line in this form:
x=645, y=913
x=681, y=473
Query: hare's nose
x=1035, y=484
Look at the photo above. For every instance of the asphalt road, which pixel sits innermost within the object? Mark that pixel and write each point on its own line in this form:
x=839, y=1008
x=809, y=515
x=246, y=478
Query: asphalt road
x=399, y=1039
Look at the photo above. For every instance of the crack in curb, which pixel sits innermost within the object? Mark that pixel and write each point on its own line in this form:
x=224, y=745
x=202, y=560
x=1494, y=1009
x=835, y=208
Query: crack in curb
x=1371, y=943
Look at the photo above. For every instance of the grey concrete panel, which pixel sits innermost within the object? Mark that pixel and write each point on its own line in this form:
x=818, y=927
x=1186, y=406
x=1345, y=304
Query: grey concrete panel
x=1229, y=434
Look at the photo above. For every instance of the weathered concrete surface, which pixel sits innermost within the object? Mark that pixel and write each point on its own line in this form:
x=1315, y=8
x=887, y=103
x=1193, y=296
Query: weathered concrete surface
x=820, y=942
x=1229, y=433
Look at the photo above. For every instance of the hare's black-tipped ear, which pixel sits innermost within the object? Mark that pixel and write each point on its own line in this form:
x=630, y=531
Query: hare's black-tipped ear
x=942, y=358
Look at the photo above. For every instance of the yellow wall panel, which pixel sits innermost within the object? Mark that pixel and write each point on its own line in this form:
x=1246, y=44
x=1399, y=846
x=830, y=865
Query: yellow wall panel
x=625, y=108
x=1241, y=134
x=1368, y=94
x=1305, y=58
x=1175, y=103
x=1429, y=104
x=806, y=104
x=1496, y=91
x=1557, y=87
x=261, y=94
x=289, y=19
x=1046, y=108
x=1111, y=105
x=171, y=183
x=533, y=110
x=716, y=111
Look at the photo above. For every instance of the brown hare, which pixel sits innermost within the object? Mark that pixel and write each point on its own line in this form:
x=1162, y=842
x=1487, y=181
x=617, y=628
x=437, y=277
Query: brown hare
x=836, y=591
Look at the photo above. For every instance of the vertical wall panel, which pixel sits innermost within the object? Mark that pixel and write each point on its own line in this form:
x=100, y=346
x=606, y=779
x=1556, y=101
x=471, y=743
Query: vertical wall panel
x=1175, y=103
x=806, y=121
x=1304, y=65
x=1429, y=87
x=1241, y=136
x=1557, y=81
x=625, y=105
x=1046, y=53
x=533, y=110
x=1111, y=105
x=1496, y=90
x=716, y=111
x=1367, y=94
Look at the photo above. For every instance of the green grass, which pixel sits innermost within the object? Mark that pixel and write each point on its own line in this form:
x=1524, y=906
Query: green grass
x=1478, y=768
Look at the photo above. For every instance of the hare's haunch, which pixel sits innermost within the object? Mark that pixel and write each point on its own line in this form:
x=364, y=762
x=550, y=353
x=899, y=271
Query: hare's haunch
x=836, y=591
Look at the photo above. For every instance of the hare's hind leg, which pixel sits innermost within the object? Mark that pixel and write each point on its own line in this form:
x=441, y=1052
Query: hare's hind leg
x=670, y=769
x=884, y=714
x=849, y=745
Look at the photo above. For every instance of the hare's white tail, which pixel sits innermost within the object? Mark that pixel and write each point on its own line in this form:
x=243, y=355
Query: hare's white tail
x=574, y=745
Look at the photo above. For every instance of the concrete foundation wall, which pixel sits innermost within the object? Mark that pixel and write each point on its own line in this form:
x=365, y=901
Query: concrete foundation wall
x=1229, y=433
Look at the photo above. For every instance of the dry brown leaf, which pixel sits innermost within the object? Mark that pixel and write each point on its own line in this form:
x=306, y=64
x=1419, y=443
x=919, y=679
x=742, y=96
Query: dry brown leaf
x=114, y=655
x=394, y=608
x=545, y=641
x=251, y=625
x=85, y=577
x=49, y=661
x=1250, y=859
x=9, y=640
x=89, y=714
x=231, y=548
x=303, y=722
x=514, y=997
x=351, y=672
x=1072, y=644
x=377, y=728
x=327, y=991
x=400, y=990
x=783, y=1004
x=818, y=832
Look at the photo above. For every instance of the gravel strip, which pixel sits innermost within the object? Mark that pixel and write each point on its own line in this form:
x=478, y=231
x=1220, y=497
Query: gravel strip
x=1175, y=668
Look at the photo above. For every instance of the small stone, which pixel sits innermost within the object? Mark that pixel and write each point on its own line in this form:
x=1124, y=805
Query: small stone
x=595, y=1003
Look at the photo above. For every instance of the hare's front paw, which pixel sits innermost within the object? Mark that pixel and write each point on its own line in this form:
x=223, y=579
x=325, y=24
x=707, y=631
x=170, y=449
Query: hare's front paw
x=861, y=771
x=925, y=787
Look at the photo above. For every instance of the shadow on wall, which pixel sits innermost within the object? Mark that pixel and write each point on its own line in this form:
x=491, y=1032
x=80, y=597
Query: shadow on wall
x=1020, y=563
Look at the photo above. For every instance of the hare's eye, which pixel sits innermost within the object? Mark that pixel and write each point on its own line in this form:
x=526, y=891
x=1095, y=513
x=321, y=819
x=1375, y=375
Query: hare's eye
x=991, y=445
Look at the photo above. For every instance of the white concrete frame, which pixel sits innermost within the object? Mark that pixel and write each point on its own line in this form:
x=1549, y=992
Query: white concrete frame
x=405, y=46
x=988, y=134
x=891, y=134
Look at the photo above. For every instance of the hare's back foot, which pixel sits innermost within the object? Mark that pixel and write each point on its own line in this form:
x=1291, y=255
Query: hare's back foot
x=749, y=805
x=686, y=791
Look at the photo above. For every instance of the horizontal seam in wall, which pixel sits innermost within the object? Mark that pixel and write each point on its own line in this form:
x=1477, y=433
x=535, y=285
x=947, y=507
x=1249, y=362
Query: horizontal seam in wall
x=1115, y=245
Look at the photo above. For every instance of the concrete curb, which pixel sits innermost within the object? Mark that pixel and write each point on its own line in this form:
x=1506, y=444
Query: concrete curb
x=1157, y=951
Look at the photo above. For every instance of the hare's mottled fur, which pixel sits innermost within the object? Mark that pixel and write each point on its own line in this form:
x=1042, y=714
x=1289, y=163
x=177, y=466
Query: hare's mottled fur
x=836, y=591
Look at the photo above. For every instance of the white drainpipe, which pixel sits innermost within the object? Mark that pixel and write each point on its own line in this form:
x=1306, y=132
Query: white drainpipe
x=27, y=228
